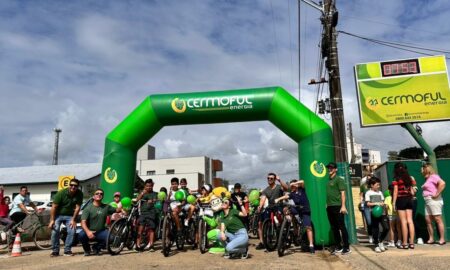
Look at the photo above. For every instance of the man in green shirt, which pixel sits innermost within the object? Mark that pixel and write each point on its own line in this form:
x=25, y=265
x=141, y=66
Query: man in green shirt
x=93, y=222
x=65, y=209
x=336, y=210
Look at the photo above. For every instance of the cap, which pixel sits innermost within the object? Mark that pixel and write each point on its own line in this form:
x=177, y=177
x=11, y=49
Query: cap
x=332, y=165
x=237, y=185
x=207, y=188
x=116, y=194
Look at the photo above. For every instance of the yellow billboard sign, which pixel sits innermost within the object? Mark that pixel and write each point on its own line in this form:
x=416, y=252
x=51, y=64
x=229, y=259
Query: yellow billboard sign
x=64, y=181
x=403, y=91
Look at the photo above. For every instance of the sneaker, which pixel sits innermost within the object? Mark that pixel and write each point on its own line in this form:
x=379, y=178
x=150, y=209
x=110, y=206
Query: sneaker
x=147, y=246
x=68, y=253
x=245, y=254
x=381, y=245
x=377, y=249
x=54, y=254
x=260, y=246
x=87, y=253
x=370, y=240
x=336, y=251
x=391, y=244
x=399, y=243
x=312, y=250
x=346, y=251
x=419, y=241
x=226, y=255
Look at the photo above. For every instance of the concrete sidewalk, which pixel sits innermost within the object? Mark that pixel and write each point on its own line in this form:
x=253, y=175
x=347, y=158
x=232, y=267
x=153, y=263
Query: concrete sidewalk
x=422, y=257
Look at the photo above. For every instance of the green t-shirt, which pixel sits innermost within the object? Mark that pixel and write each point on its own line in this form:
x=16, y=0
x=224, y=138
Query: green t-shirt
x=148, y=208
x=232, y=221
x=334, y=188
x=95, y=216
x=66, y=203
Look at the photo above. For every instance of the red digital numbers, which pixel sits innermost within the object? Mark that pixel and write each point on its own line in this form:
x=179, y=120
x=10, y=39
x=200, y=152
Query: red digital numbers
x=400, y=67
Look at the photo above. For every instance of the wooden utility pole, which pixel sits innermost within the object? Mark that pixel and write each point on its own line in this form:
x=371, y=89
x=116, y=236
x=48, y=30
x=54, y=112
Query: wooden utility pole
x=352, y=145
x=329, y=51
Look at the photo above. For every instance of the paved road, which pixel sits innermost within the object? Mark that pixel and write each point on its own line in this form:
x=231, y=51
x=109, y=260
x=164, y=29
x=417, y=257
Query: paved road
x=362, y=257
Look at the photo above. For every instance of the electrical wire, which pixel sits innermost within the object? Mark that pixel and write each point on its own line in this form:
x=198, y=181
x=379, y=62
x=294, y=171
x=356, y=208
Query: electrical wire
x=290, y=45
x=276, y=39
x=396, y=45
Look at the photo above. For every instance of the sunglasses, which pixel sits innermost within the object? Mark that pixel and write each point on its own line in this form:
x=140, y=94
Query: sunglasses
x=98, y=193
x=270, y=178
x=71, y=185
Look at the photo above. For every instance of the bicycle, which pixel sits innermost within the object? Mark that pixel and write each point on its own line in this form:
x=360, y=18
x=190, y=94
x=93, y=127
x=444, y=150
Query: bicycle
x=123, y=232
x=271, y=227
x=292, y=230
x=253, y=223
x=37, y=228
x=203, y=227
x=170, y=233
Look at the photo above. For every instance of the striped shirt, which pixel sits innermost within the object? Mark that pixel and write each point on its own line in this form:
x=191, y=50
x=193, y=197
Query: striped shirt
x=403, y=190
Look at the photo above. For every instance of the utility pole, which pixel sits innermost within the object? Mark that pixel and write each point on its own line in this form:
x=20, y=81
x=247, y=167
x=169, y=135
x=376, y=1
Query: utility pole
x=352, y=146
x=55, y=153
x=329, y=51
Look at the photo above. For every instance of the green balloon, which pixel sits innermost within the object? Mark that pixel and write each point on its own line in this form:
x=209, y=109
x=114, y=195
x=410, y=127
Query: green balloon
x=158, y=205
x=377, y=211
x=113, y=204
x=254, y=195
x=180, y=195
x=386, y=193
x=191, y=199
x=161, y=196
x=126, y=202
x=255, y=202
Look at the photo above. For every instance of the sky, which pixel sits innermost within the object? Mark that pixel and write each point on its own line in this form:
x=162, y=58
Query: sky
x=83, y=66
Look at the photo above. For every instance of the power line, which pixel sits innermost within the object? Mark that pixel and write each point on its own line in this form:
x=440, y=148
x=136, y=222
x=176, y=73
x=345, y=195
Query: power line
x=290, y=44
x=276, y=39
x=396, y=45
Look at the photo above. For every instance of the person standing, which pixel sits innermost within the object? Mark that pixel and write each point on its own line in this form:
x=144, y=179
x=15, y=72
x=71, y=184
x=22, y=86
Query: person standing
x=336, y=210
x=432, y=195
x=65, y=208
x=403, y=202
x=270, y=193
x=148, y=215
x=93, y=222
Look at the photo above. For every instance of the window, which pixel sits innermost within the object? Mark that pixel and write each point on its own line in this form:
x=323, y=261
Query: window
x=171, y=171
x=52, y=194
x=150, y=172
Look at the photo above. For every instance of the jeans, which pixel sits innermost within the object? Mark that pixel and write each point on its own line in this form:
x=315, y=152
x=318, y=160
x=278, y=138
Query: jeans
x=100, y=237
x=368, y=218
x=337, y=224
x=377, y=235
x=236, y=242
x=56, y=233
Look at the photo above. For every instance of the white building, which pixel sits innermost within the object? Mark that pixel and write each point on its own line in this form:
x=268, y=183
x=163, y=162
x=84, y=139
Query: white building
x=42, y=181
x=357, y=147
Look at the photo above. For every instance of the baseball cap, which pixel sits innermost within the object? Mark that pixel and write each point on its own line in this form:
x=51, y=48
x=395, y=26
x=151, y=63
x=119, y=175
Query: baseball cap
x=207, y=188
x=237, y=185
x=332, y=165
x=116, y=194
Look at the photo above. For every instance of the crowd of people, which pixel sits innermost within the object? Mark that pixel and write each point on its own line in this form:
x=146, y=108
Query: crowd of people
x=394, y=210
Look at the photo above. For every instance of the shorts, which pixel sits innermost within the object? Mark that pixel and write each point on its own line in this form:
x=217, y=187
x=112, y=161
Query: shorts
x=433, y=207
x=148, y=220
x=186, y=207
x=174, y=205
x=404, y=203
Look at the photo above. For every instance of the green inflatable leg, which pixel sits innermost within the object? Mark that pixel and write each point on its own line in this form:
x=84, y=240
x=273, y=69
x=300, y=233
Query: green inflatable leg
x=217, y=246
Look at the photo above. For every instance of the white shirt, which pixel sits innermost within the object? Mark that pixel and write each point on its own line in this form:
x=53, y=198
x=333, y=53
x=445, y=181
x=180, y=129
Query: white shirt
x=19, y=199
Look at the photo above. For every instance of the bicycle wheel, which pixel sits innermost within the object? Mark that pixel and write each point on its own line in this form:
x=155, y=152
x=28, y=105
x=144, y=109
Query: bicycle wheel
x=117, y=236
x=203, y=237
x=166, y=237
x=190, y=232
x=42, y=237
x=283, y=237
x=270, y=235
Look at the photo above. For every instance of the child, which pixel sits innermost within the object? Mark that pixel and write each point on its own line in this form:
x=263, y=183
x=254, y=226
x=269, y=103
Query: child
x=392, y=215
x=374, y=197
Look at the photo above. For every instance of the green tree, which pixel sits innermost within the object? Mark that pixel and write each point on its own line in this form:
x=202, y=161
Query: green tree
x=411, y=153
x=392, y=155
x=442, y=151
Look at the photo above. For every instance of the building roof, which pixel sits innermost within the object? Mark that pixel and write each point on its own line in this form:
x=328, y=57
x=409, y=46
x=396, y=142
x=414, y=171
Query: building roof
x=47, y=174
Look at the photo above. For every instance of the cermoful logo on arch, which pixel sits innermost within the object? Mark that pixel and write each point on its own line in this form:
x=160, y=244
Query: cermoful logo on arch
x=212, y=103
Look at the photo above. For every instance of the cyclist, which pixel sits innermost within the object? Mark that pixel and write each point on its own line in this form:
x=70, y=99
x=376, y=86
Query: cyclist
x=148, y=215
x=19, y=210
x=189, y=208
x=271, y=192
x=299, y=197
x=175, y=206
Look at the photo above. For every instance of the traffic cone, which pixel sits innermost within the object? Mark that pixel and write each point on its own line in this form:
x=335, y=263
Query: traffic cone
x=17, y=250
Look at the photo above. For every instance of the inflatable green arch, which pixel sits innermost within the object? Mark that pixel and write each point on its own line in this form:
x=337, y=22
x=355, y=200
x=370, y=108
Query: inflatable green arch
x=313, y=135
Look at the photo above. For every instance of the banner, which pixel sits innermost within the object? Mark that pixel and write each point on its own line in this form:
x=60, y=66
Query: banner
x=64, y=181
x=403, y=91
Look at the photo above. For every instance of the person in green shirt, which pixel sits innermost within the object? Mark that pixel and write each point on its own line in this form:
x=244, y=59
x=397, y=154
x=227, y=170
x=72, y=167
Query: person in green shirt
x=336, y=210
x=65, y=208
x=93, y=222
x=232, y=231
x=148, y=215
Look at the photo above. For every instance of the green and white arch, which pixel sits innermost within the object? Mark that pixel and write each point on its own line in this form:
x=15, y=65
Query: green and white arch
x=313, y=135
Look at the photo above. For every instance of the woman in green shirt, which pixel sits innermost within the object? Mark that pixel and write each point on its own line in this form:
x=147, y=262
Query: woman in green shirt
x=232, y=231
